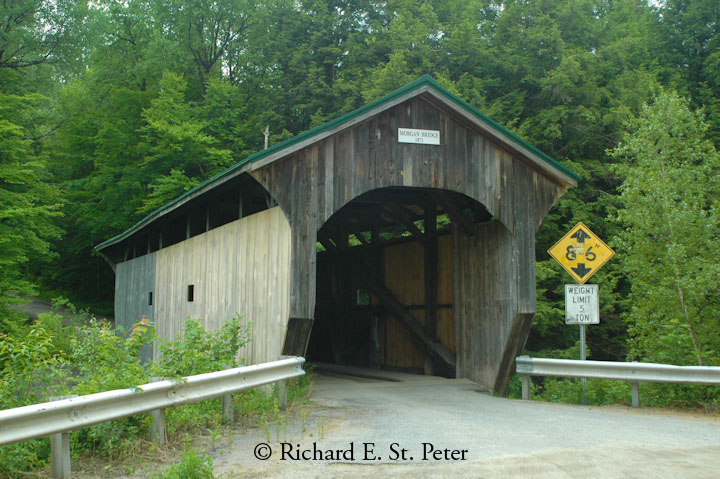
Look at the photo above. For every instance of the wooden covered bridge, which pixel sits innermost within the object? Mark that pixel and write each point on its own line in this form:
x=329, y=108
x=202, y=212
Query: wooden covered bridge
x=401, y=235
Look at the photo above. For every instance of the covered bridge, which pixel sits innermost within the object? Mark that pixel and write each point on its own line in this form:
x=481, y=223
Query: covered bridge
x=400, y=235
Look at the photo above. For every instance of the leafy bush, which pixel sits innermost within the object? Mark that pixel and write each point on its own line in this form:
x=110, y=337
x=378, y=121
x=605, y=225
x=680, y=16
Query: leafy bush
x=103, y=360
x=53, y=359
x=680, y=395
x=30, y=371
x=192, y=466
x=601, y=391
x=198, y=351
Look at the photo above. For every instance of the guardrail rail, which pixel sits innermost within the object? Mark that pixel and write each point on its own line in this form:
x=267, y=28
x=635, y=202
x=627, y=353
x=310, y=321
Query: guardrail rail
x=634, y=372
x=58, y=418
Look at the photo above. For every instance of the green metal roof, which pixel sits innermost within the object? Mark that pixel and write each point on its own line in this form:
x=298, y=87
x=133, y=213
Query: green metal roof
x=423, y=81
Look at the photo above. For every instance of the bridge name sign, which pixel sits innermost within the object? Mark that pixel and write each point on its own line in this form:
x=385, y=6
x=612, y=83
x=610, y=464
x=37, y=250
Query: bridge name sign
x=411, y=135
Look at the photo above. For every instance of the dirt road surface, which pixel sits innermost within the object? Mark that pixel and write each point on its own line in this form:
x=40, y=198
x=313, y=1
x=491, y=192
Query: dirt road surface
x=359, y=427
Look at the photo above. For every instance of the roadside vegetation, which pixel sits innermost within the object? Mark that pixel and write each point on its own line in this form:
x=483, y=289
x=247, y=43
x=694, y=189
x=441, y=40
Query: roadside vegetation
x=668, y=216
x=108, y=111
x=52, y=359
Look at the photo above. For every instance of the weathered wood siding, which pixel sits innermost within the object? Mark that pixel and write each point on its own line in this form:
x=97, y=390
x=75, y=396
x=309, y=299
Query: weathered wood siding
x=312, y=184
x=239, y=268
x=446, y=322
x=134, y=280
x=495, y=287
x=315, y=182
x=485, y=300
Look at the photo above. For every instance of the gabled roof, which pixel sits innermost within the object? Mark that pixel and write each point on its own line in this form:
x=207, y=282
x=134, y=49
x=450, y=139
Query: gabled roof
x=424, y=84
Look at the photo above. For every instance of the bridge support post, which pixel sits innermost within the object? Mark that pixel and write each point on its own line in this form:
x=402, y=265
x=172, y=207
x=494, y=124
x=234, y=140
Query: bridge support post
x=526, y=382
x=60, y=449
x=158, y=434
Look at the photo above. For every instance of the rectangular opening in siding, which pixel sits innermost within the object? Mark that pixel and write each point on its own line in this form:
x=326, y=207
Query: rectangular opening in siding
x=150, y=298
x=191, y=293
x=363, y=297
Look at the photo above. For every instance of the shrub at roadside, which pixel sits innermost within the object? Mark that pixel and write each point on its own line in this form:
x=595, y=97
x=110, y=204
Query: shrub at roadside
x=53, y=360
x=192, y=466
x=29, y=370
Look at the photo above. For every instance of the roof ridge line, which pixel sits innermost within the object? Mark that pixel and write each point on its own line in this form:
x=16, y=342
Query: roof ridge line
x=424, y=80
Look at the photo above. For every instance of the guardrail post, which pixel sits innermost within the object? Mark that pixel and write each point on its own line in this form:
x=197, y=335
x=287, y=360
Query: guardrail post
x=281, y=388
x=60, y=449
x=281, y=391
x=45, y=419
x=635, y=389
x=228, y=411
x=158, y=434
x=526, y=382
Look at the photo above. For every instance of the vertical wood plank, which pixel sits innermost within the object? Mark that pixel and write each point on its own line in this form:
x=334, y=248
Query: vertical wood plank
x=251, y=281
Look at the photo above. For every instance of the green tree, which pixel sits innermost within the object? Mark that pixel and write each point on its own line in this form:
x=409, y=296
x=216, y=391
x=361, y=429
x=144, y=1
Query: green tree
x=33, y=35
x=691, y=48
x=174, y=135
x=25, y=203
x=670, y=218
x=33, y=32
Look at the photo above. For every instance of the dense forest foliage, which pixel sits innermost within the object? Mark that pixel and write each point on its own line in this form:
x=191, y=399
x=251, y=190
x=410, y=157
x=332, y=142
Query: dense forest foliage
x=110, y=108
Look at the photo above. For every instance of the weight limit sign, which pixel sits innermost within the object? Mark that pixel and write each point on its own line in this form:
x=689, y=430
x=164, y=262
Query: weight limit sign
x=582, y=304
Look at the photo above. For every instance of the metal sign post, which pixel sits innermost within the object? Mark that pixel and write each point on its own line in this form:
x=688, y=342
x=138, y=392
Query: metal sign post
x=582, y=306
x=582, y=358
x=582, y=253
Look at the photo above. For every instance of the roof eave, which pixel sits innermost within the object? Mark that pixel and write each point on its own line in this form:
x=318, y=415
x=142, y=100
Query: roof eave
x=424, y=84
x=226, y=175
x=520, y=147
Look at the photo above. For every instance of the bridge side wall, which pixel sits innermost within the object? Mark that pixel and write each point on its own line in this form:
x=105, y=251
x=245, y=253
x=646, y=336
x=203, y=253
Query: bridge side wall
x=134, y=280
x=240, y=268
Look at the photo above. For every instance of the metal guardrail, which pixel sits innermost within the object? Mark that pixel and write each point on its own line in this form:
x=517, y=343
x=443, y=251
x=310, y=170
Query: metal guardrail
x=45, y=419
x=526, y=367
x=59, y=417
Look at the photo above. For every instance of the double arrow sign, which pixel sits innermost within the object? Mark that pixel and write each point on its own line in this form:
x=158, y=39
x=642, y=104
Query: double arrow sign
x=581, y=253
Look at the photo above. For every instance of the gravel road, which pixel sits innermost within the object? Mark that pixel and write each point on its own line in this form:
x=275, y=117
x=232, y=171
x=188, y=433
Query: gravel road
x=419, y=426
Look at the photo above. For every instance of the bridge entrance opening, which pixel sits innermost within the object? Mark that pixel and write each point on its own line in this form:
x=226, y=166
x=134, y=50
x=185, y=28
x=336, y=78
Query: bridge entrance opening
x=385, y=295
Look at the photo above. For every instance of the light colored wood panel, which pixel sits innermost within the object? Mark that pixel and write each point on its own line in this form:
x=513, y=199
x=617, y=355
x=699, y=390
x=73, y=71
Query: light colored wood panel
x=404, y=272
x=403, y=351
x=242, y=299
x=241, y=267
x=404, y=277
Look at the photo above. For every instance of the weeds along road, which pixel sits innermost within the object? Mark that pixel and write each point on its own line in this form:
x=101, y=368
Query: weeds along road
x=418, y=426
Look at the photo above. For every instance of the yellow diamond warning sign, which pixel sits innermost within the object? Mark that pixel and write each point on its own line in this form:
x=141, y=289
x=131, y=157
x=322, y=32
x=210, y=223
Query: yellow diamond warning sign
x=581, y=253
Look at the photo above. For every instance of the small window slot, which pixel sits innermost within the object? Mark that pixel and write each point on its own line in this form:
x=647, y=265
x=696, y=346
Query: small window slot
x=363, y=297
x=191, y=293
